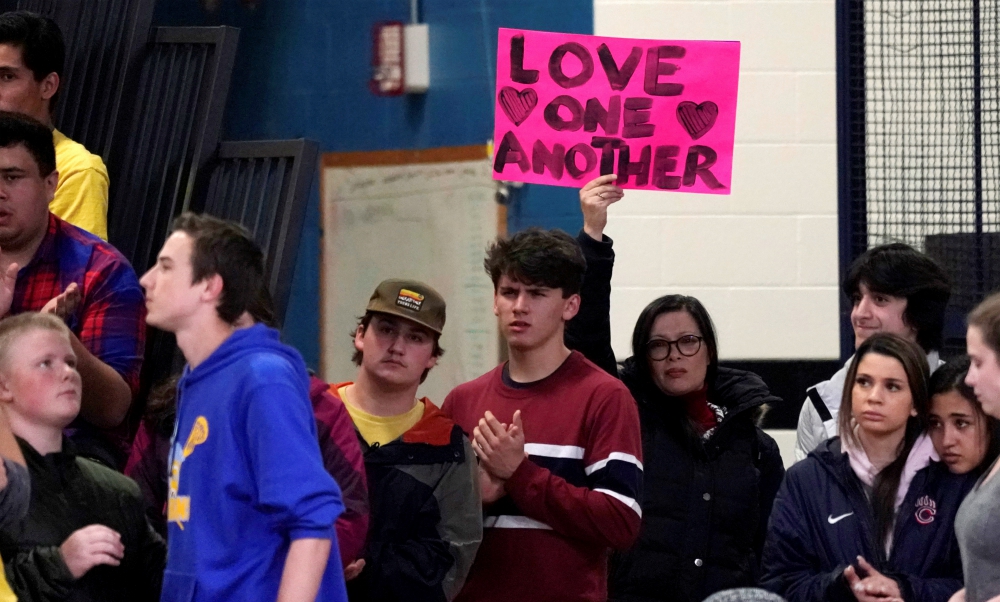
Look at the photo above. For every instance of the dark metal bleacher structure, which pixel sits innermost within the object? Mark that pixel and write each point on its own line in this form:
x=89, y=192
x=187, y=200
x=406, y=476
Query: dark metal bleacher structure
x=173, y=129
x=104, y=44
x=151, y=102
x=263, y=185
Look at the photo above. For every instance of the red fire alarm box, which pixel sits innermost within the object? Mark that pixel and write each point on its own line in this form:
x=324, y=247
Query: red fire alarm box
x=388, y=77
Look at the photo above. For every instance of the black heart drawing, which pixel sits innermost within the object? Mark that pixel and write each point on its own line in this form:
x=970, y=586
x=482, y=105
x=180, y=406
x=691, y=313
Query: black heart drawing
x=517, y=105
x=697, y=119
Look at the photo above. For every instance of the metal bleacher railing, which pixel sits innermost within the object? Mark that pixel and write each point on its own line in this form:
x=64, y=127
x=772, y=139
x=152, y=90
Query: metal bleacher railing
x=172, y=132
x=104, y=40
x=151, y=102
x=265, y=186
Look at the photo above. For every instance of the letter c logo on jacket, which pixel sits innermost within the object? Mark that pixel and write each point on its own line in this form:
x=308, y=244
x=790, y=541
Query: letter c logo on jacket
x=926, y=509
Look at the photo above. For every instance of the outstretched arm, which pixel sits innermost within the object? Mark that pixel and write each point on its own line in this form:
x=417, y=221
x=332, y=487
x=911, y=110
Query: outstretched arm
x=106, y=396
x=595, y=198
x=590, y=331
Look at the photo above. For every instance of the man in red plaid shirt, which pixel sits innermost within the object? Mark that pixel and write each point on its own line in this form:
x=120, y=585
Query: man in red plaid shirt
x=46, y=264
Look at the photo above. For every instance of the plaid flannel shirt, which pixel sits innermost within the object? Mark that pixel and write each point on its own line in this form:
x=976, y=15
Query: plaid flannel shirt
x=110, y=319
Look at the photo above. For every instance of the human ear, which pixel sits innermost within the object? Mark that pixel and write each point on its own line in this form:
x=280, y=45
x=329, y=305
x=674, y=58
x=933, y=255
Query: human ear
x=49, y=85
x=213, y=287
x=359, y=338
x=6, y=395
x=571, y=305
x=51, y=182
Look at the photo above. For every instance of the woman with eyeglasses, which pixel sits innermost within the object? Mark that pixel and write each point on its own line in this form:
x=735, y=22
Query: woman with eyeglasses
x=709, y=473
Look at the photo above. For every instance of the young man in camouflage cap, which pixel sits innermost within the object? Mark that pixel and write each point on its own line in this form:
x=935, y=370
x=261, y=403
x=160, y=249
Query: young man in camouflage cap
x=426, y=517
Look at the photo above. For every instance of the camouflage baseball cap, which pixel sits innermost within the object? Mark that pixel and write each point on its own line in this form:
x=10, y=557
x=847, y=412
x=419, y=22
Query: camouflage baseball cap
x=409, y=299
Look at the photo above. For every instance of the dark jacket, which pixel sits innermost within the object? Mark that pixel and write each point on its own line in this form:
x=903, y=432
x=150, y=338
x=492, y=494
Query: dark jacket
x=426, y=515
x=822, y=521
x=705, y=501
x=67, y=494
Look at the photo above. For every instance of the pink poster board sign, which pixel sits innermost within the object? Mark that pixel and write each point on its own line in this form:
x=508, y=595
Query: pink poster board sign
x=660, y=114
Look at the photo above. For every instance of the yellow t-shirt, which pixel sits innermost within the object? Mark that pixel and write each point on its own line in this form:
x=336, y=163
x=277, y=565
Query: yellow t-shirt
x=82, y=193
x=6, y=595
x=382, y=429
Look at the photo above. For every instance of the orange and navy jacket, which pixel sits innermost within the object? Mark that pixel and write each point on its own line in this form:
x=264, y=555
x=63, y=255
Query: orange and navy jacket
x=426, y=514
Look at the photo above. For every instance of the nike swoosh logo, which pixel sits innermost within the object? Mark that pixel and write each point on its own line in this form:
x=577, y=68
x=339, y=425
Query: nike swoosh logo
x=833, y=520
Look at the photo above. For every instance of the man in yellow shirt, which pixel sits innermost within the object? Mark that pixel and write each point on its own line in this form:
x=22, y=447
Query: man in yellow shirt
x=32, y=53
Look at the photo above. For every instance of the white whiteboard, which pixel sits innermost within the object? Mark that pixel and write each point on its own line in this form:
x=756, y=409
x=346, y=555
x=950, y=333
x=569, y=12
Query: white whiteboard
x=422, y=221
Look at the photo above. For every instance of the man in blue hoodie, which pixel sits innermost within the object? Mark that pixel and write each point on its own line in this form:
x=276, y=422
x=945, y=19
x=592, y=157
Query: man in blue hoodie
x=251, y=509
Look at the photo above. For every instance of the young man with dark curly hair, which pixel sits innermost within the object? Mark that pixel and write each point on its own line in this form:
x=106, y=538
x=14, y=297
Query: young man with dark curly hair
x=893, y=288
x=557, y=437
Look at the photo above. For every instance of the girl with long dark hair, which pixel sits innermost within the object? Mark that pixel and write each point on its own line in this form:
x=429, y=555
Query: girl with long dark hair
x=964, y=436
x=869, y=515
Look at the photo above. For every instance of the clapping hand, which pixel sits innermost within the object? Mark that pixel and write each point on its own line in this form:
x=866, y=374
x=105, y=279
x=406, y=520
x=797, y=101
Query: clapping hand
x=64, y=304
x=500, y=448
x=8, y=279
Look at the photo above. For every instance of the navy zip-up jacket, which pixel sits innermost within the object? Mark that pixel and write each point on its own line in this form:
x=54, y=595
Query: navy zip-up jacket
x=822, y=521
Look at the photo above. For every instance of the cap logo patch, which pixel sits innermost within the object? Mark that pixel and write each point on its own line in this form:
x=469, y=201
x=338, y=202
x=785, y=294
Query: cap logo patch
x=410, y=300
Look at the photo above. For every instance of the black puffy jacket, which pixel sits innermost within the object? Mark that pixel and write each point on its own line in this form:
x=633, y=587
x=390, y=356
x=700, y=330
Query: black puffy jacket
x=705, y=503
x=69, y=493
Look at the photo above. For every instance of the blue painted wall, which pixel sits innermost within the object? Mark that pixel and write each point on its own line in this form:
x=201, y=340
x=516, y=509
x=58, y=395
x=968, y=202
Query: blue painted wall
x=302, y=71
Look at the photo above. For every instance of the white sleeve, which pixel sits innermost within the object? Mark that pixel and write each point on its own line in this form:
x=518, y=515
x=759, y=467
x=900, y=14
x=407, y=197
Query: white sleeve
x=810, y=432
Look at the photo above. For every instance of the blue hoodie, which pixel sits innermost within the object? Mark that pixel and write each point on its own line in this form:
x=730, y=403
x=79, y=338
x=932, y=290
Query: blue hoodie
x=246, y=476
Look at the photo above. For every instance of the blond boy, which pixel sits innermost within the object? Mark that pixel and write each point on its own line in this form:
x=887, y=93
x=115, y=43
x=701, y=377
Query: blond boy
x=85, y=536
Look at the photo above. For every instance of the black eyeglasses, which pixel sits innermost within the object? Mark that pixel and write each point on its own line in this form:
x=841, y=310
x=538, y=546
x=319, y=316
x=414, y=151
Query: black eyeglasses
x=687, y=345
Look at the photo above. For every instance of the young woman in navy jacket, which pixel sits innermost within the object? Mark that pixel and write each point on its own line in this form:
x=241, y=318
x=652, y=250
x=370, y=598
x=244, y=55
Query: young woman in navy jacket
x=869, y=515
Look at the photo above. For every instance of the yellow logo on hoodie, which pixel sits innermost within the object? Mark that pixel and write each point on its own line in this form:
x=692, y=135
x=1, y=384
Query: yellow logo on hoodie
x=179, y=506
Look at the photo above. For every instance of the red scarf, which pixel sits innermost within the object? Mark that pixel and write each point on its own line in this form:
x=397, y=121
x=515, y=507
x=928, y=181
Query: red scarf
x=696, y=404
